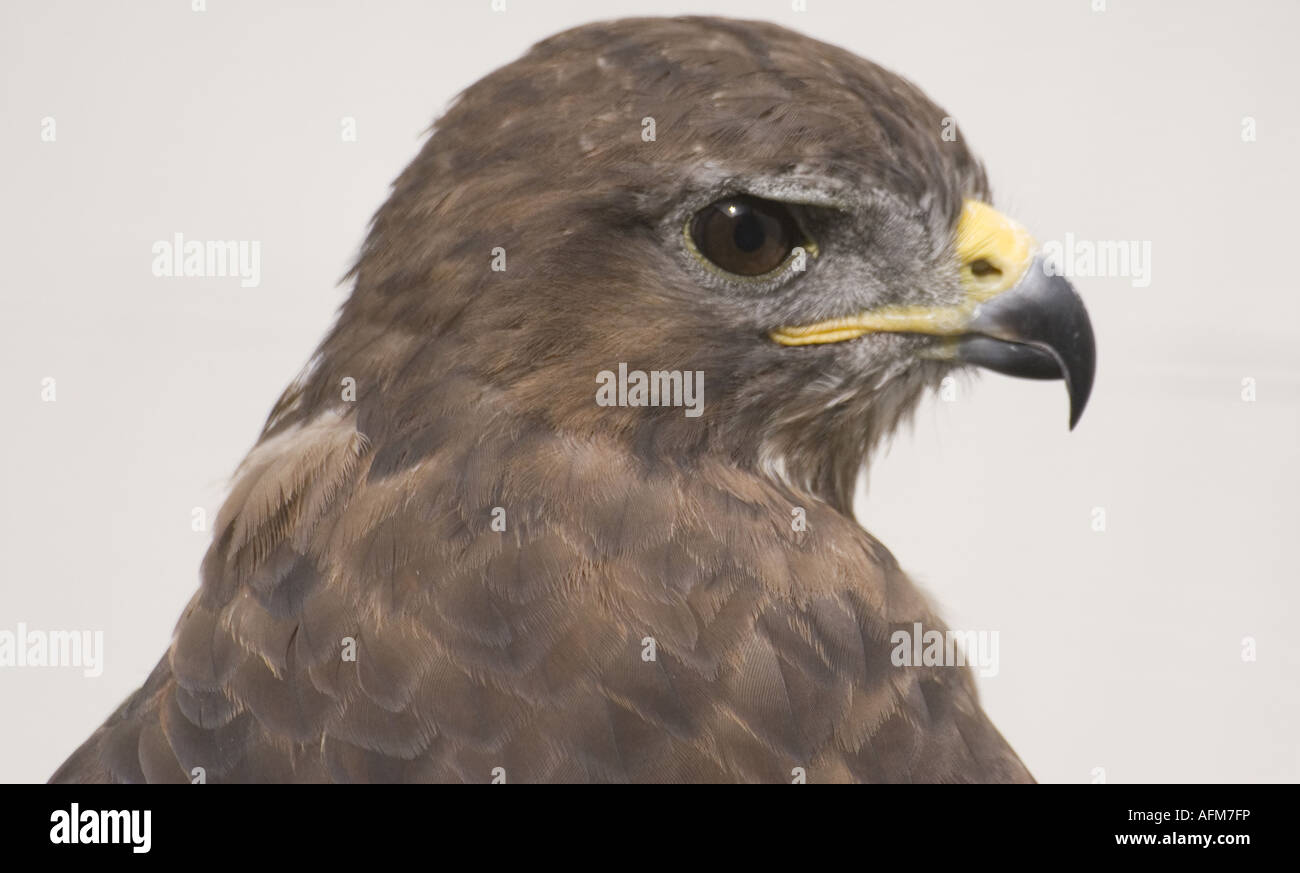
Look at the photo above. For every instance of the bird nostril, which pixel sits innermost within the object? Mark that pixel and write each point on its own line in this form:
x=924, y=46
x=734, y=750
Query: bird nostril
x=982, y=267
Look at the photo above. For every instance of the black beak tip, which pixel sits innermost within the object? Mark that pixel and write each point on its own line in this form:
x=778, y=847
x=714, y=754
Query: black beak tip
x=1078, y=402
x=1079, y=371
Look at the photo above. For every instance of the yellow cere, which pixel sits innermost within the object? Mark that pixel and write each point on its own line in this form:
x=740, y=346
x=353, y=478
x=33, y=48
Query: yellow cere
x=994, y=252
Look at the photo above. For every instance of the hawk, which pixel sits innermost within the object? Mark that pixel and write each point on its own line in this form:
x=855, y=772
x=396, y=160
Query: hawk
x=445, y=560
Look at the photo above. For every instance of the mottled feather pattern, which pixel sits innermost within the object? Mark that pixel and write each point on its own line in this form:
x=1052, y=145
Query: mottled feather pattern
x=522, y=649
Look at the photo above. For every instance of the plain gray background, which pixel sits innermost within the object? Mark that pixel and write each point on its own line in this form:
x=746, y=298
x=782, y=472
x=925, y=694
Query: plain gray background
x=1119, y=649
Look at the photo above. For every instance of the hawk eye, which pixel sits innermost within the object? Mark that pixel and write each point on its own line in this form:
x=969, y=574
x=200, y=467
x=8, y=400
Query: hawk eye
x=745, y=235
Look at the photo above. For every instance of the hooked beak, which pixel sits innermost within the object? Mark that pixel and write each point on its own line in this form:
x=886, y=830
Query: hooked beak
x=1036, y=330
x=1017, y=318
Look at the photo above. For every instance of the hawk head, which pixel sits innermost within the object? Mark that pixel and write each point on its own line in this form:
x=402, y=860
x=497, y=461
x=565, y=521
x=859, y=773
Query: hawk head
x=696, y=195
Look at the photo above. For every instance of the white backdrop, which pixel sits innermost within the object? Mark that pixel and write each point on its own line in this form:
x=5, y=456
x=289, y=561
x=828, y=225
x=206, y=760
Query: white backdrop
x=1120, y=650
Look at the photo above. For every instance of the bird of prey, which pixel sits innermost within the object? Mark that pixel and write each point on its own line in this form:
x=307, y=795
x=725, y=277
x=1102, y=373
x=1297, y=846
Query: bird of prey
x=447, y=558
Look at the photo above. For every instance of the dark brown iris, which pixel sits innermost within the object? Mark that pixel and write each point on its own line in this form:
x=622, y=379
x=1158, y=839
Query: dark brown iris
x=745, y=235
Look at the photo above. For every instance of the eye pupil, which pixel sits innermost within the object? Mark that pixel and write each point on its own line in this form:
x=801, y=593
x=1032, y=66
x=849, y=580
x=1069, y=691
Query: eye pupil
x=746, y=235
x=749, y=234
